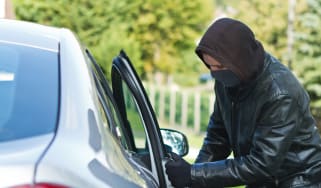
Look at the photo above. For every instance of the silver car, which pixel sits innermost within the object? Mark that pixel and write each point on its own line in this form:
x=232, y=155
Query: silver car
x=62, y=125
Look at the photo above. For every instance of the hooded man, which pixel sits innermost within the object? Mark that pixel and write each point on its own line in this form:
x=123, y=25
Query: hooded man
x=261, y=114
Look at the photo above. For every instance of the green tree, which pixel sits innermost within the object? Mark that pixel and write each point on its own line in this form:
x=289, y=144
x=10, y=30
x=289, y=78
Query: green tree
x=155, y=33
x=308, y=53
x=166, y=29
x=93, y=22
x=267, y=19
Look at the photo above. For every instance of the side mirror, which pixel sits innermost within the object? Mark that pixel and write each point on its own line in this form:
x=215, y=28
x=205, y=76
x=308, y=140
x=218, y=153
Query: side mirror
x=175, y=141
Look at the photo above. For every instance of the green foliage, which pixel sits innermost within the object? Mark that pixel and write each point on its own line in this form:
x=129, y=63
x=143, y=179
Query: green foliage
x=308, y=55
x=268, y=20
x=160, y=35
x=152, y=32
x=92, y=22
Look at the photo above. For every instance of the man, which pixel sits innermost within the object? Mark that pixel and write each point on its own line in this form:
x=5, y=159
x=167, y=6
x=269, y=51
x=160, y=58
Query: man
x=261, y=114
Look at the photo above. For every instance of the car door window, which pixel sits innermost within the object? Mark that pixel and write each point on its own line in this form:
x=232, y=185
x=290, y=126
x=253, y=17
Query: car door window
x=139, y=118
x=135, y=119
x=29, y=91
x=137, y=128
x=119, y=129
x=107, y=101
x=110, y=125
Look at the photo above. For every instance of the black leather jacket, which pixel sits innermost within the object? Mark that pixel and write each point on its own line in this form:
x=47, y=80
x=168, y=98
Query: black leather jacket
x=269, y=128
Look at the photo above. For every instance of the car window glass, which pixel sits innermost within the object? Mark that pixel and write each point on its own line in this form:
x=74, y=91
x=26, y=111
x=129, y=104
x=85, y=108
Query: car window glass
x=114, y=157
x=29, y=91
x=115, y=126
x=110, y=120
x=107, y=101
x=135, y=119
x=119, y=129
x=139, y=119
x=103, y=115
x=141, y=149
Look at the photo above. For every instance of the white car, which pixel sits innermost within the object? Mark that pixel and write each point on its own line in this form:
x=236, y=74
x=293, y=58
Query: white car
x=61, y=125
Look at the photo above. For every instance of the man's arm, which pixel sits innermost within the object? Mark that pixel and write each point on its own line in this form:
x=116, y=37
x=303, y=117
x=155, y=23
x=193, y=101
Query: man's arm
x=272, y=138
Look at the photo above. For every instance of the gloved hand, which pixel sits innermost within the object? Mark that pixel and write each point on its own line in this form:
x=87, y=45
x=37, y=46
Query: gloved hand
x=179, y=172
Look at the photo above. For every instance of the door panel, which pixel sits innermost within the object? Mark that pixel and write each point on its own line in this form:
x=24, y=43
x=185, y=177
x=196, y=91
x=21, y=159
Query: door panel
x=113, y=135
x=139, y=117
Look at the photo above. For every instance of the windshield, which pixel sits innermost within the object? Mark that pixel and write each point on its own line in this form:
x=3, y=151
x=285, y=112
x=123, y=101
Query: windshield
x=28, y=91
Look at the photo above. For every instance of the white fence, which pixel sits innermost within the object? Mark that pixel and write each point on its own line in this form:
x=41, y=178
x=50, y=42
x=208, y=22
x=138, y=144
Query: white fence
x=188, y=108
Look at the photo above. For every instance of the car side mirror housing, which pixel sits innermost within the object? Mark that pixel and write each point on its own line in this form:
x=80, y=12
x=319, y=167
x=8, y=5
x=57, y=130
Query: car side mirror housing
x=175, y=141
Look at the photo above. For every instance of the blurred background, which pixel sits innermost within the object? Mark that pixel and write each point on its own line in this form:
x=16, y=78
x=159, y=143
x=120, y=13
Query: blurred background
x=160, y=37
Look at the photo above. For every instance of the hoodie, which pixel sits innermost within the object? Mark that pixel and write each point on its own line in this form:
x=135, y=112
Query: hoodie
x=233, y=44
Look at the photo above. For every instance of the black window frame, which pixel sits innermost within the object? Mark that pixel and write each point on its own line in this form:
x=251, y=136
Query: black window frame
x=123, y=70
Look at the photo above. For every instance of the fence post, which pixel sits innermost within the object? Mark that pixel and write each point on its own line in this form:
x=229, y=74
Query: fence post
x=172, y=109
x=161, y=104
x=158, y=98
x=197, y=114
x=211, y=106
x=184, y=109
x=151, y=95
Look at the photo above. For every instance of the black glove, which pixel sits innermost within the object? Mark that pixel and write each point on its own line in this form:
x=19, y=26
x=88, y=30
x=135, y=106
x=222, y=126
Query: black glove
x=179, y=172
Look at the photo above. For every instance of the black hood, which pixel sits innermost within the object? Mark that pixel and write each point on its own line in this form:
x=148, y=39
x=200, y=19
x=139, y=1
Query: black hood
x=233, y=44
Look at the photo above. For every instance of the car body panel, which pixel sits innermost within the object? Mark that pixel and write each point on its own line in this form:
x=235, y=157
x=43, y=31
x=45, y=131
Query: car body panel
x=77, y=109
x=84, y=149
x=82, y=153
x=19, y=158
x=29, y=34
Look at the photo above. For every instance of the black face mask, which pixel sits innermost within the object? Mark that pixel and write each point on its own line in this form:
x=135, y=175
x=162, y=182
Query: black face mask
x=226, y=77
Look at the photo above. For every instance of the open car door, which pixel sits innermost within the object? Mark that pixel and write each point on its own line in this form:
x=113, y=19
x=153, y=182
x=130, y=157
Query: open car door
x=145, y=141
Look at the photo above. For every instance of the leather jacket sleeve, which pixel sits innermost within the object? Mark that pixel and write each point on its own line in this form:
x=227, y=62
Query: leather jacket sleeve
x=216, y=145
x=276, y=126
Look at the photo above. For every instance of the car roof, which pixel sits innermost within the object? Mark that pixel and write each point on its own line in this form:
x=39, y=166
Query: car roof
x=30, y=34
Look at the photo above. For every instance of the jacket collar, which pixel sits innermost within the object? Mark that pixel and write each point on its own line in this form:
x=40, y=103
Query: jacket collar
x=241, y=92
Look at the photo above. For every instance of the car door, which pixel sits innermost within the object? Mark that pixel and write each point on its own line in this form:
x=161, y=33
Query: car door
x=113, y=124
x=145, y=143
